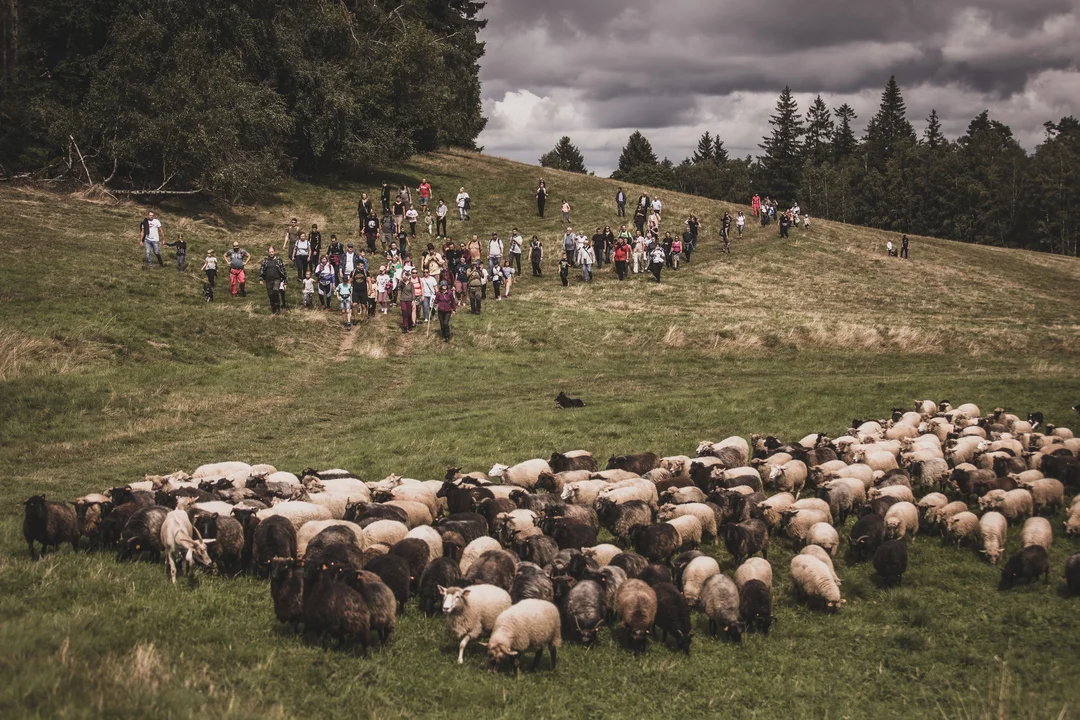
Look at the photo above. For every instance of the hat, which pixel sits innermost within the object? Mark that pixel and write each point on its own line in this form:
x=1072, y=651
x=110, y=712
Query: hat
x=350, y=245
x=442, y=283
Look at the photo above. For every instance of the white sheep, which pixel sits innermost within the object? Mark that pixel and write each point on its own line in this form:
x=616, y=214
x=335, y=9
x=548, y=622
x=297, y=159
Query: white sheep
x=601, y=553
x=789, y=477
x=220, y=470
x=926, y=407
x=754, y=568
x=310, y=529
x=531, y=625
x=176, y=535
x=210, y=507
x=524, y=474
x=281, y=482
x=695, y=574
x=636, y=489
x=471, y=612
x=812, y=579
x=515, y=521
x=385, y=532
x=414, y=492
x=881, y=460
x=689, y=528
x=1072, y=522
x=1013, y=504
x=1037, y=531
x=961, y=526
x=614, y=475
x=296, y=512
x=683, y=495
x=334, y=502
x=902, y=431
x=474, y=550
x=1046, y=493
x=417, y=513
x=930, y=505
x=900, y=492
x=701, y=511
x=583, y=492
x=860, y=471
x=430, y=536
x=678, y=465
x=992, y=530
x=356, y=489
x=819, y=552
x=901, y=519
x=813, y=503
x=824, y=535
x=772, y=509
x=797, y=523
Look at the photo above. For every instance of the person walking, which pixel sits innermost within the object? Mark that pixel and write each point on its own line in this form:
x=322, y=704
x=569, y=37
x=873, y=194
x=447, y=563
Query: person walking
x=656, y=261
x=344, y=293
x=386, y=198
x=412, y=215
x=676, y=252
x=497, y=282
x=363, y=211
x=350, y=262
x=308, y=291
x=621, y=253
x=564, y=270
x=463, y=204
x=382, y=290
x=657, y=206
x=639, y=254
x=541, y=198
x=399, y=214
x=440, y=218
x=272, y=275
x=609, y=245
x=315, y=249
x=620, y=203
x=495, y=251
x=640, y=217
x=475, y=282
x=428, y=287
x=598, y=242
x=517, y=243
x=209, y=266
x=326, y=276
x=565, y=211
x=586, y=258
x=300, y=251
x=669, y=247
x=904, y=248
x=687, y=244
x=740, y=222
x=536, y=256
x=785, y=224
x=292, y=234
x=150, y=234
x=446, y=307
x=181, y=251
x=425, y=193
x=238, y=259
x=755, y=204
x=569, y=244
x=725, y=226
x=406, y=298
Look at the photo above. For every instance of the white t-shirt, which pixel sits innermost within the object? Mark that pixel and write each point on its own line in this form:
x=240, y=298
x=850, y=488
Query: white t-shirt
x=428, y=284
x=461, y=199
x=411, y=215
x=441, y=210
x=657, y=205
x=153, y=228
x=211, y=263
x=381, y=282
x=741, y=220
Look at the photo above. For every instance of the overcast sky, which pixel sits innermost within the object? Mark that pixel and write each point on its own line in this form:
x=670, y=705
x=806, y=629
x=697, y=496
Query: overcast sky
x=597, y=70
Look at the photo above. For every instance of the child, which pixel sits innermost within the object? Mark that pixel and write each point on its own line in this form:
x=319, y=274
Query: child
x=181, y=251
x=209, y=266
x=496, y=284
x=564, y=270
x=676, y=251
x=382, y=289
x=429, y=222
x=344, y=293
x=359, y=294
x=309, y=290
x=508, y=279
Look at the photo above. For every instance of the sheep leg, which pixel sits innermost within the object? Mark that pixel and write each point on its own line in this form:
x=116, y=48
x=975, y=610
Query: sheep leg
x=170, y=568
x=536, y=659
x=461, y=649
x=33, y=553
x=554, y=655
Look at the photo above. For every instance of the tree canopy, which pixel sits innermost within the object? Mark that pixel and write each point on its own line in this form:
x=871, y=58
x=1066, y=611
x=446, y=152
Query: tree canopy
x=564, y=156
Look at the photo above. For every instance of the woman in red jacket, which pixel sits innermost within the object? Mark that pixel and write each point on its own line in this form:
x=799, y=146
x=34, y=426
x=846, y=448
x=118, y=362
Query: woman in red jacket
x=621, y=254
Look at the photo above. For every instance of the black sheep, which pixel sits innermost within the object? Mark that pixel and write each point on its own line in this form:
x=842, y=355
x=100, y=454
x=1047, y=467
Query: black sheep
x=631, y=563
x=654, y=574
x=561, y=463
x=112, y=525
x=1072, y=574
x=227, y=550
x=49, y=523
x=495, y=567
x=287, y=590
x=394, y=572
x=673, y=615
x=746, y=538
x=580, y=513
x=462, y=498
x=380, y=600
x=620, y=519
x=570, y=533
x=1025, y=566
x=531, y=582
x=867, y=535
x=248, y=521
x=1064, y=467
x=879, y=506
x=142, y=534
x=470, y=525
x=274, y=537
x=1036, y=418
x=1005, y=465
x=453, y=544
x=657, y=542
x=334, y=609
x=890, y=561
x=583, y=610
x=639, y=464
x=564, y=402
x=539, y=549
x=569, y=562
x=440, y=571
x=363, y=514
x=537, y=503
x=124, y=494
x=679, y=563
x=327, y=537
x=755, y=606
x=415, y=552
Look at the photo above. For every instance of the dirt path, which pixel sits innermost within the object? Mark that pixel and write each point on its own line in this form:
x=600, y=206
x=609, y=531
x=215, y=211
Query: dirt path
x=348, y=339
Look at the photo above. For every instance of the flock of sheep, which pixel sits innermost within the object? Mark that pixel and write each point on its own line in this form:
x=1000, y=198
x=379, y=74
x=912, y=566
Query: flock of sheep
x=514, y=554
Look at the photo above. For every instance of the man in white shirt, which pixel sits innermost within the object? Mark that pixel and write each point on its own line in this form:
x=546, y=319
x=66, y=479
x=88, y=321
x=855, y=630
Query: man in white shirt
x=427, y=286
x=657, y=206
x=462, y=198
x=411, y=215
x=440, y=219
x=150, y=233
x=495, y=251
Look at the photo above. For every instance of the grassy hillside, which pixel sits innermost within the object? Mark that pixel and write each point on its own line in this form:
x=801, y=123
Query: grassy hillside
x=108, y=371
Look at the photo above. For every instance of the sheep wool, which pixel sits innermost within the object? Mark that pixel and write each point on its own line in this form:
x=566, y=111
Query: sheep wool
x=695, y=574
x=475, y=549
x=992, y=530
x=813, y=581
x=824, y=535
x=818, y=552
x=1037, y=531
x=754, y=568
x=901, y=519
x=471, y=612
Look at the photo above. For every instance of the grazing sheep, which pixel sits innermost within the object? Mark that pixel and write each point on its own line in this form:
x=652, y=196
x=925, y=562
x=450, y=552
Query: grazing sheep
x=929, y=505
x=1037, y=531
x=1013, y=504
x=866, y=536
x=430, y=536
x=570, y=533
x=813, y=581
x=746, y=538
x=772, y=510
x=755, y=606
x=900, y=520
x=824, y=535
x=839, y=496
x=530, y=625
x=1072, y=522
x=495, y=567
x=635, y=605
x=416, y=554
x=524, y=474
x=475, y=549
x=673, y=616
x=878, y=460
x=395, y=572
x=1046, y=494
x=789, y=477
x=310, y=529
x=701, y=511
x=677, y=465
x=943, y=514
x=539, y=549
x=720, y=601
x=273, y=537
x=890, y=561
x=227, y=550
x=333, y=608
x=694, y=575
x=818, y=552
x=1072, y=574
x=1025, y=566
x=614, y=475
x=572, y=460
x=295, y=512
x=49, y=523
x=683, y=495
x=287, y=590
x=962, y=526
x=734, y=442
x=176, y=536
x=992, y=531
x=531, y=582
x=754, y=569
x=900, y=492
x=385, y=532
x=798, y=521
x=631, y=563
x=440, y=573
x=583, y=493
x=859, y=471
x=601, y=554
x=658, y=542
x=142, y=533
x=689, y=529
x=554, y=482
x=584, y=609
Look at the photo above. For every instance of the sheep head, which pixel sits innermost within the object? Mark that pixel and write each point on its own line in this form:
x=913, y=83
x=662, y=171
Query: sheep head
x=497, y=470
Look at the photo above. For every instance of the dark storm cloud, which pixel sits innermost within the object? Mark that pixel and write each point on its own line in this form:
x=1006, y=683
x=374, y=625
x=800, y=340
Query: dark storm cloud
x=659, y=63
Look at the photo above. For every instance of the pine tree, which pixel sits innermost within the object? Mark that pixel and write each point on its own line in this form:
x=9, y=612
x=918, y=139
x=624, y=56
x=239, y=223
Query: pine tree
x=781, y=161
x=889, y=129
x=933, y=136
x=720, y=154
x=564, y=156
x=705, y=149
x=638, y=151
x=844, y=142
x=819, y=132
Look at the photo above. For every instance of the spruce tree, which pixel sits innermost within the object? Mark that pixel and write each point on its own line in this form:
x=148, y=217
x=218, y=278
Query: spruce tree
x=933, y=135
x=638, y=151
x=564, y=156
x=720, y=154
x=781, y=161
x=844, y=142
x=819, y=132
x=889, y=129
x=704, y=150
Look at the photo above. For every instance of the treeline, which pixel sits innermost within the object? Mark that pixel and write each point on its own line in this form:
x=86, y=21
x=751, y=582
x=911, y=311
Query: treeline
x=981, y=188
x=223, y=97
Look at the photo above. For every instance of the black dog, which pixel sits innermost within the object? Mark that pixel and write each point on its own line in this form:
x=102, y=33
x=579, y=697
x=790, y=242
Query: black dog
x=208, y=292
x=1036, y=418
x=568, y=402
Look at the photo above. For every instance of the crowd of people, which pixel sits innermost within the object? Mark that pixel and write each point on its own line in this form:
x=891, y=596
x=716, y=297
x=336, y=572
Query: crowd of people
x=431, y=280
